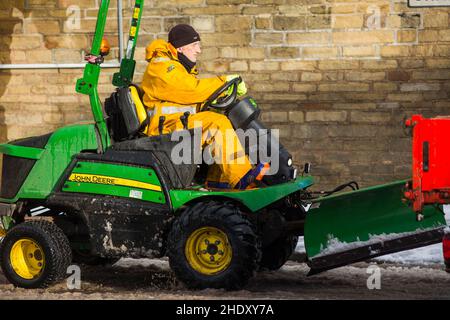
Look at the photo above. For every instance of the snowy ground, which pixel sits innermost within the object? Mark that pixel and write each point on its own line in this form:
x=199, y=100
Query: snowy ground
x=144, y=279
x=421, y=256
x=414, y=274
x=430, y=255
x=425, y=256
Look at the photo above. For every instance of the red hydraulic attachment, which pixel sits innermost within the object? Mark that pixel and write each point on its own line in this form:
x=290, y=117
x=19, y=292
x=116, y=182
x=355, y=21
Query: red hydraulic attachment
x=431, y=162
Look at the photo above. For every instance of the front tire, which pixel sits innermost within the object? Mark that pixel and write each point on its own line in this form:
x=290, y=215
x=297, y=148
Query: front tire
x=213, y=245
x=35, y=254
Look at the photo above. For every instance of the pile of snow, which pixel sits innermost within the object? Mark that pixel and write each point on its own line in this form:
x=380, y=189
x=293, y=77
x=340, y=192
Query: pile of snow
x=424, y=256
x=420, y=256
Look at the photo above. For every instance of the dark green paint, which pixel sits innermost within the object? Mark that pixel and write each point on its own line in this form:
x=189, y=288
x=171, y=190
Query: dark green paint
x=89, y=83
x=255, y=199
x=62, y=145
x=113, y=190
x=124, y=77
x=7, y=222
x=118, y=171
x=21, y=152
x=138, y=174
x=354, y=216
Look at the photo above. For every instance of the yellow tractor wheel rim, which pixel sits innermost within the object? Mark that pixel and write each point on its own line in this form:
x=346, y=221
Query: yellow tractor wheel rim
x=208, y=251
x=27, y=258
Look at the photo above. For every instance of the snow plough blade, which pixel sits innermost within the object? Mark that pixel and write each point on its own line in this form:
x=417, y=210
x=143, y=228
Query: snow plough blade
x=366, y=223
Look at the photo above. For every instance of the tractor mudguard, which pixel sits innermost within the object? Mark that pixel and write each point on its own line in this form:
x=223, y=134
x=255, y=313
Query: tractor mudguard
x=253, y=199
x=50, y=160
x=354, y=226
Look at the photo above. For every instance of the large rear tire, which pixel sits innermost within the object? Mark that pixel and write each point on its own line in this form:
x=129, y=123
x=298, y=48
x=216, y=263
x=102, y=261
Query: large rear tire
x=275, y=255
x=213, y=245
x=35, y=254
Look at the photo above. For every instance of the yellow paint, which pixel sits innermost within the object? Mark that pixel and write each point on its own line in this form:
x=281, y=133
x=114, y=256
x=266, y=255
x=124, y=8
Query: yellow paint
x=133, y=31
x=208, y=251
x=27, y=258
x=136, y=13
x=92, y=178
x=140, y=109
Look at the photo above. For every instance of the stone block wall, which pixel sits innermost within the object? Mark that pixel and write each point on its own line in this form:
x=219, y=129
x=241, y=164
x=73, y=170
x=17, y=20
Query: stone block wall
x=336, y=77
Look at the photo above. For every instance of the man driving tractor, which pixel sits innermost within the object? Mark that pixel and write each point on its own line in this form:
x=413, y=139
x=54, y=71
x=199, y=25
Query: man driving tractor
x=172, y=90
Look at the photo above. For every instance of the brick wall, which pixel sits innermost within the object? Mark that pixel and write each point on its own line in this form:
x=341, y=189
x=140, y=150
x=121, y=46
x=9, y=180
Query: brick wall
x=336, y=77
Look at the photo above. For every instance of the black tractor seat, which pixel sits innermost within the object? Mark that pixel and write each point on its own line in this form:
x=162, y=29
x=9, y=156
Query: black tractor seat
x=160, y=148
x=127, y=115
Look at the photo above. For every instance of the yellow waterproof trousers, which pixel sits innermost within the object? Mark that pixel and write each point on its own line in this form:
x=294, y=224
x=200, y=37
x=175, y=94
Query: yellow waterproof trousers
x=217, y=132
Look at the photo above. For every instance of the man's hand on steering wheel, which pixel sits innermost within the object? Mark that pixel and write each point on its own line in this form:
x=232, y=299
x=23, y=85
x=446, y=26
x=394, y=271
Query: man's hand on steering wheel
x=227, y=94
x=241, y=89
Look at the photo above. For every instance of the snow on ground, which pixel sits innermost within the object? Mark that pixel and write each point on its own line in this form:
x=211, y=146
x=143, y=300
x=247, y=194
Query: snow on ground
x=145, y=279
x=421, y=256
x=424, y=256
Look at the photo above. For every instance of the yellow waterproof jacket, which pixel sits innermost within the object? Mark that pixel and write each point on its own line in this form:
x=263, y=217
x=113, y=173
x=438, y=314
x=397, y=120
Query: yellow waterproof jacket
x=168, y=86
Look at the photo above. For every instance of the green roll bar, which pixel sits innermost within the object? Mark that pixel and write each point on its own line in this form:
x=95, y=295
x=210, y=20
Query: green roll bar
x=128, y=64
x=89, y=83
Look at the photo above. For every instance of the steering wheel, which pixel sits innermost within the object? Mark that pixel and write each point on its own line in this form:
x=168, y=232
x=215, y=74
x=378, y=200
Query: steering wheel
x=224, y=102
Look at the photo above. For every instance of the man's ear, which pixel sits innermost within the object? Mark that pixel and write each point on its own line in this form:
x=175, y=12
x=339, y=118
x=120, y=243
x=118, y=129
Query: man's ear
x=179, y=50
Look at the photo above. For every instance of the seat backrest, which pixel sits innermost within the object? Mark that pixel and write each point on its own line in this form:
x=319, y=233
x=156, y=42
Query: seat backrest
x=127, y=116
x=136, y=97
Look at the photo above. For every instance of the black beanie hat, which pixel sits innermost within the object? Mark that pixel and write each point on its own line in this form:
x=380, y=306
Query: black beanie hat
x=183, y=34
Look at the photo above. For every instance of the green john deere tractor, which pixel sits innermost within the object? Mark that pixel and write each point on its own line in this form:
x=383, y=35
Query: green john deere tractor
x=92, y=193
